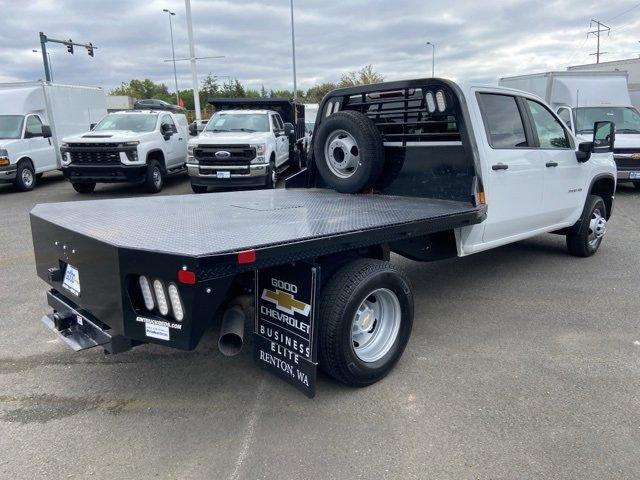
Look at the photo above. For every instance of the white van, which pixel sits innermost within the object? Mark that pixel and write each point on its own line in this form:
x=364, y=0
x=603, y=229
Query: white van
x=34, y=117
x=581, y=98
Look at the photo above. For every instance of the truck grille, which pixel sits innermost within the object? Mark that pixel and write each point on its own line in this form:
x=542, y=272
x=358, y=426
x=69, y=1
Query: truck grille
x=94, y=154
x=627, y=163
x=238, y=154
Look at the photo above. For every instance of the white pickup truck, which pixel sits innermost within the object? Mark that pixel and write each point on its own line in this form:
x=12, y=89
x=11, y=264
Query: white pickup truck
x=34, y=117
x=422, y=168
x=246, y=143
x=135, y=146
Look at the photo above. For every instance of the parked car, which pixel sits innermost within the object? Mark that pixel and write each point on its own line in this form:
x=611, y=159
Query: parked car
x=154, y=104
x=581, y=98
x=247, y=142
x=136, y=146
x=448, y=172
x=34, y=117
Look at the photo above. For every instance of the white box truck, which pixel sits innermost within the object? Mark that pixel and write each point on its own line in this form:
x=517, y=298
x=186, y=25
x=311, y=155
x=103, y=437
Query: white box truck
x=581, y=98
x=34, y=117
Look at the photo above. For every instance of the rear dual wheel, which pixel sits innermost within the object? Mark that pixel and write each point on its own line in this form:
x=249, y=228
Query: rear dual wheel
x=366, y=316
x=637, y=185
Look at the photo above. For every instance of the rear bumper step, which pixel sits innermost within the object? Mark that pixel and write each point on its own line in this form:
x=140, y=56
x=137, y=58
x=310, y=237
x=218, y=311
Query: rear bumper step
x=77, y=330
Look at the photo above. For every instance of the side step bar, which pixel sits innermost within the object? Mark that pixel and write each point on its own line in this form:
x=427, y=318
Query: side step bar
x=77, y=330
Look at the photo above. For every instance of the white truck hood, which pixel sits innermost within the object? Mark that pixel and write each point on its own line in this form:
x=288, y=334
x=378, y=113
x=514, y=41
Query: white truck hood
x=7, y=143
x=106, y=136
x=623, y=140
x=230, y=138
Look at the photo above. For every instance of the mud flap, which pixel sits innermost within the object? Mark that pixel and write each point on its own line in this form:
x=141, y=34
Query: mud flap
x=285, y=337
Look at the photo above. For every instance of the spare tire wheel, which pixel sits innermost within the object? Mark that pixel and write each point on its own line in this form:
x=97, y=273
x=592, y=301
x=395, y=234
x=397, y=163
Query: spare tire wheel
x=348, y=151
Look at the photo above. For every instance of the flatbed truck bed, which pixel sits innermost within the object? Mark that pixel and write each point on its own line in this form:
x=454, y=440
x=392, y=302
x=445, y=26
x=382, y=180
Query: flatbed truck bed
x=263, y=220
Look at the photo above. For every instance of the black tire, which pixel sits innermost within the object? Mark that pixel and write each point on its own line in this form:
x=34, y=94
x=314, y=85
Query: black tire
x=341, y=298
x=25, y=177
x=84, y=187
x=272, y=175
x=368, y=153
x=583, y=239
x=154, y=180
x=199, y=188
x=637, y=185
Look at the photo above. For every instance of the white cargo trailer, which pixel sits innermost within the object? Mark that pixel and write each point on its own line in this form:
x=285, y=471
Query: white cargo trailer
x=34, y=117
x=581, y=98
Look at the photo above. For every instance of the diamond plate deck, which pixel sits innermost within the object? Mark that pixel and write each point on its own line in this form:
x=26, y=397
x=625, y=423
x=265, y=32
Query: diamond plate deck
x=216, y=223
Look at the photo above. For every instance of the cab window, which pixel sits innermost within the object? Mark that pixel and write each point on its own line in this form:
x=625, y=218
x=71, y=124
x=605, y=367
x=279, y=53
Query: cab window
x=33, y=126
x=565, y=116
x=551, y=133
x=502, y=120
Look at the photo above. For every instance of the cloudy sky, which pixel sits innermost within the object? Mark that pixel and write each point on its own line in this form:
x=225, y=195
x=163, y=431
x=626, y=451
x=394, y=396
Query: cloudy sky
x=477, y=41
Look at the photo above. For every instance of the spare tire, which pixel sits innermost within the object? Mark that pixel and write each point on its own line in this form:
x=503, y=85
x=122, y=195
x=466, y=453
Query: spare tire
x=348, y=151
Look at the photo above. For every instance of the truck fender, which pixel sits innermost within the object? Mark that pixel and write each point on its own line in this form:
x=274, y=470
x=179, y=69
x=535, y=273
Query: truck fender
x=158, y=154
x=604, y=185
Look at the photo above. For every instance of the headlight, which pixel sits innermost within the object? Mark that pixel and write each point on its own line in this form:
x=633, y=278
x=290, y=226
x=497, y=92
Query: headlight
x=190, y=149
x=131, y=144
x=4, y=158
x=260, y=148
x=64, y=145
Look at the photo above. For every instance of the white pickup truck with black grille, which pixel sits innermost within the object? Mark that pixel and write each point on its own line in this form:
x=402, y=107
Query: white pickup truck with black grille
x=248, y=142
x=138, y=146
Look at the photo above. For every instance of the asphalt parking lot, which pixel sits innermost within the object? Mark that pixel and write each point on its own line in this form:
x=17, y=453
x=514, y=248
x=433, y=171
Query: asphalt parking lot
x=524, y=363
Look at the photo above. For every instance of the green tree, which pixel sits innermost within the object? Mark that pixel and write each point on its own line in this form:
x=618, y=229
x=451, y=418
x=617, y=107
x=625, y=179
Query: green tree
x=142, y=89
x=316, y=93
x=366, y=75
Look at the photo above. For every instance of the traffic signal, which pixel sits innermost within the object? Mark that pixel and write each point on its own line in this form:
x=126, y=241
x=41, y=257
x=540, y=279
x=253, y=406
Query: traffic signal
x=70, y=46
x=90, y=49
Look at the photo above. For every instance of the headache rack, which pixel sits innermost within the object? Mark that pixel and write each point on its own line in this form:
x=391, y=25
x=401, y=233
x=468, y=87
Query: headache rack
x=402, y=114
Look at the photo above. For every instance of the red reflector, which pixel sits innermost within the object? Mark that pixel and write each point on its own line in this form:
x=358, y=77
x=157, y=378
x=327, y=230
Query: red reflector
x=187, y=276
x=247, y=256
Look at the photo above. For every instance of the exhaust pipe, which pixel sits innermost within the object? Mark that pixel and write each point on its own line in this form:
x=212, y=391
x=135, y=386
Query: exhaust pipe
x=232, y=331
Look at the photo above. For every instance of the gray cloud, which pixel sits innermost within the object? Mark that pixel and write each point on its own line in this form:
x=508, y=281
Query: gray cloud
x=476, y=41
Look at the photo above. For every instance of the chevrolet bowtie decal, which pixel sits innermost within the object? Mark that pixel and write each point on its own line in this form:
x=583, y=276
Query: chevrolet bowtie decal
x=286, y=302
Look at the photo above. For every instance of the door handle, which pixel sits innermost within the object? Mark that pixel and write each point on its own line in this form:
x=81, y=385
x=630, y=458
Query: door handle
x=499, y=166
x=552, y=164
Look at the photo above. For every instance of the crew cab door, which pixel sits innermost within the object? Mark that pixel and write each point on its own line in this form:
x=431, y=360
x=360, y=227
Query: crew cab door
x=564, y=177
x=282, y=140
x=513, y=173
x=39, y=149
x=171, y=142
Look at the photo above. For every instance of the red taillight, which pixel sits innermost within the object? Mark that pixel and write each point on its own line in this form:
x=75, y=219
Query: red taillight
x=247, y=256
x=187, y=276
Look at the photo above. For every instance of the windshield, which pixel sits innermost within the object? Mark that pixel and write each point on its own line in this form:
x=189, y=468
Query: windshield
x=238, y=122
x=627, y=119
x=136, y=122
x=10, y=126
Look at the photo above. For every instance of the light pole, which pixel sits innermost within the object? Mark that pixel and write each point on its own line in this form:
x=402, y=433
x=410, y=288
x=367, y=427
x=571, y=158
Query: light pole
x=433, y=59
x=293, y=54
x=192, y=60
x=49, y=61
x=173, y=53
